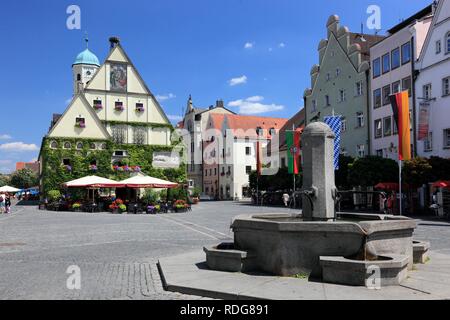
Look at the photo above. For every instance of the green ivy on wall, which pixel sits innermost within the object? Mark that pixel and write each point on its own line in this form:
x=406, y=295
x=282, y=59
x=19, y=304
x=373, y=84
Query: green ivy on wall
x=54, y=174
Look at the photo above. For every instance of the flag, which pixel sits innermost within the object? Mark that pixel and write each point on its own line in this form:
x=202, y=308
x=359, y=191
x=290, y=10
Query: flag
x=335, y=123
x=424, y=121
x=400, y=107
x=258, y=158
x=293, y=142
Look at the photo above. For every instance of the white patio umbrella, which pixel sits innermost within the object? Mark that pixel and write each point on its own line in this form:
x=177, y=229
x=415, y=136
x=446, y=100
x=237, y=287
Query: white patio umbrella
x=93, y=182
x=144, y=182
x=8, y=189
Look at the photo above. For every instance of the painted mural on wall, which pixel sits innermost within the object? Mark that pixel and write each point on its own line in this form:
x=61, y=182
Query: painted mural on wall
x=118, y=77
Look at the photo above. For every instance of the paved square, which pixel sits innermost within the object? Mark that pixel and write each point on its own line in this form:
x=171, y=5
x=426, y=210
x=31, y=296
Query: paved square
x=117, y=254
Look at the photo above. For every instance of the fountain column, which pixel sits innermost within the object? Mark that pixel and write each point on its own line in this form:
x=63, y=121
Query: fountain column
x=318, y=172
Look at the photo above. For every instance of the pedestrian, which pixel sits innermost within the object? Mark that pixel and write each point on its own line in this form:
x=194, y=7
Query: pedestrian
x=2, y=203
x=7, y=204
x=286, y=199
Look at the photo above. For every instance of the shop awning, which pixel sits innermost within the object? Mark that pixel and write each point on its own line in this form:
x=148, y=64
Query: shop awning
x=441, y=184
x=141, y=181
x=8, y=189
x=93, y=182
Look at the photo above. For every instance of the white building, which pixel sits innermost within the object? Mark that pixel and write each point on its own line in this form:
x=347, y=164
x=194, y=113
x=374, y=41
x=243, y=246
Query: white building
x=433, y=85
x=393, y=60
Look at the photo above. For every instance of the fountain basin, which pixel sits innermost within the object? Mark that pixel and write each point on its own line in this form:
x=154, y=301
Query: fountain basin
x=420, y=251
x=389, y=270
x=286, y=245
x=225, y=257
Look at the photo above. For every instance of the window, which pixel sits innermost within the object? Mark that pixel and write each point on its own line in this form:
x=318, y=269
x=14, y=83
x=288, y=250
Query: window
x=341, y=95
x=66, y=162
x=446, y=86
x=447, y=43
x=119, y=134
x=313, y=106
x=377, y=99
x=406, y=85
x=395, y=128
x=92, y=146
x=139, y=134
x=206, y=173
x=248, y=169
x=427, y=91
x=140, y=107
x=118, y=106
x=359, y=89
x=380, y=153
x=376, y=68
x=446, y=138
x=248, y=151
x=344, y=125
x=387, y=126
x=98, y=104
x=67, y=145
x=396, y=87
x=359, y=119
x=283, y=162
x=272, y=131
x=428, y=143
x=78, y=77
x=103, y=146
x=386, y=63
x=361, y=150
x=338, y=72
x=54, y=145
x=438, y=46
x=406, y=53
x=259, y=131
x=386, y=95
x=327, y=101
x=215, y=171
x=378, y=129
x=395, y=58
x=79, y=145
x=328, y=76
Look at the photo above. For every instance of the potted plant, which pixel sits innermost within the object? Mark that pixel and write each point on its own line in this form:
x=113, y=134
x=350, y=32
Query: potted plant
x=180, y=206
x=76, y=207
x=122, y=208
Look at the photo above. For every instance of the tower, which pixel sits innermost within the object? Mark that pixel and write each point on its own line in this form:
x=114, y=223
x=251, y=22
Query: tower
x=84, y=68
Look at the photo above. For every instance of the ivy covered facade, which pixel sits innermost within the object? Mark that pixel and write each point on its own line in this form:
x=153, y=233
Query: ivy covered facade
x=113, y=127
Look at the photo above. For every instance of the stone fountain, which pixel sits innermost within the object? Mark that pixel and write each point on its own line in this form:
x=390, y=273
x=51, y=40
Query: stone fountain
x=333, y=247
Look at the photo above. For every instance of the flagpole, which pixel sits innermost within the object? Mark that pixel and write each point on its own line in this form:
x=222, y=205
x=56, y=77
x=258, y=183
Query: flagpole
x=293, y=194
x=400, y=188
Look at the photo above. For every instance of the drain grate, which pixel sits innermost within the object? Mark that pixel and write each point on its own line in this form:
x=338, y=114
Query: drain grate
x=12, y=244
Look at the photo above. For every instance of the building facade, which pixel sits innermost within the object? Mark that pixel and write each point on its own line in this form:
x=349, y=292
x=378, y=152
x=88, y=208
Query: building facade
x=195, y=123
x=393, y=63
x=230, y=153
x=433, y=87
x=340, y=85
x=112, y=126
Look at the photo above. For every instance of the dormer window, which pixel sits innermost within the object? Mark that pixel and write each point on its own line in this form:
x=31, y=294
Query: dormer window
x=259, y=131
x=272, y=131
x=80, y=123
x=98, y=104
x=118, y=106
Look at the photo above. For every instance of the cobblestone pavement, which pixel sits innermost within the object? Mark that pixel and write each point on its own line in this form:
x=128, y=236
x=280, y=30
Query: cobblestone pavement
x=117, y=254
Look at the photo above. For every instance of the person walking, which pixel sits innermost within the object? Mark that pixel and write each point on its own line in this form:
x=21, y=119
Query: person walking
x=286, y=199
x=7, y=204
x=2, y=203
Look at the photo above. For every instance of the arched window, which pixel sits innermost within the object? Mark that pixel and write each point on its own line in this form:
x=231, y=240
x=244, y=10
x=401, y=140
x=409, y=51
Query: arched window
x=92, y=146
x=447, y=41
x=54, y=145
x=79, y=145
x=67, y=145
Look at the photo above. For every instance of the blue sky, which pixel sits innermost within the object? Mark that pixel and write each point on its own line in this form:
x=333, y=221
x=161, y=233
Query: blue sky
x=253, y=54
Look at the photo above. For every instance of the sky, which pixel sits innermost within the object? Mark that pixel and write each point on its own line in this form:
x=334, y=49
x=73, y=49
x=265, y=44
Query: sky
x=256, y=55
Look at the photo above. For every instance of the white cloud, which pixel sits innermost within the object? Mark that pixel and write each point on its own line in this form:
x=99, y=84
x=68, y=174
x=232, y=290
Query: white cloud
x=254, y=105
x=174, y=117
x=270, y=49
x=4, y=162
x=18, y=147
x=282, y=45
x=5, y=137
x=249, y=45
x=236, y=81
x=165, y=97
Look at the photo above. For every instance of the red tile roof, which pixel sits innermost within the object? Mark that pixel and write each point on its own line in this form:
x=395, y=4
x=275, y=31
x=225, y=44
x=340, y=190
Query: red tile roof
x=248, y=124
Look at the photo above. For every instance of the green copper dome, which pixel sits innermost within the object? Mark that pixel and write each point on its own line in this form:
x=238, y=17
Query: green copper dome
x=87, y=57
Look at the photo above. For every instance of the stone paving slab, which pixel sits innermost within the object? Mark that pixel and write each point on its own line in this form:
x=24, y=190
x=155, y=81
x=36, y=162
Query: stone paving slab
x=188, y=274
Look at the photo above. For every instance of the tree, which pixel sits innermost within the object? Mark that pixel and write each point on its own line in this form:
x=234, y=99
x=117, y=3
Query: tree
x=369, y=171
x=417, y=172
x=342, y=174
x=4, y=180
x=281, y=181
x=440, y=169
x=24, y=179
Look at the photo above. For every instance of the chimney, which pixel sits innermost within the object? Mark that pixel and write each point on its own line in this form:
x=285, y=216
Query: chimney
x=219, y=104
x=114, y=41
